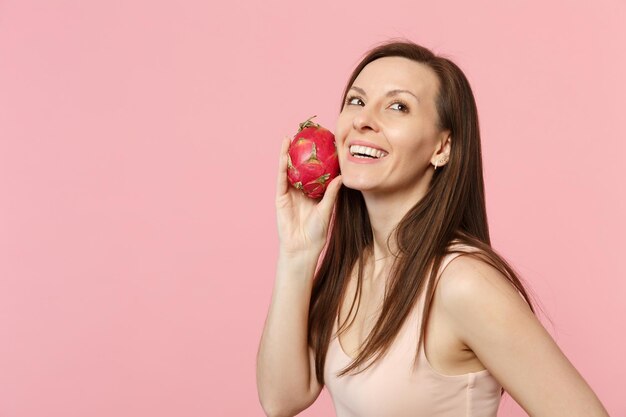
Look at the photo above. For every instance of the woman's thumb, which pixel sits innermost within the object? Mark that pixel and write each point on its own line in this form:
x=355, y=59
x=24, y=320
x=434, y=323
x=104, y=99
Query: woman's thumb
x=330, y=195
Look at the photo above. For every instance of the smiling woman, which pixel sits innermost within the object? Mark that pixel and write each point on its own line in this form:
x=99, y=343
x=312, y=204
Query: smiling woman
x=443, y=325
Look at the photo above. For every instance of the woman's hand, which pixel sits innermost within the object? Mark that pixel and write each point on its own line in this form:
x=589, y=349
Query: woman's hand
x=302, y=221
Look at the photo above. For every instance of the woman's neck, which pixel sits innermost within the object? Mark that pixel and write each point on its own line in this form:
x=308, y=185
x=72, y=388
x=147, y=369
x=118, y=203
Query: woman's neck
x=385, y=213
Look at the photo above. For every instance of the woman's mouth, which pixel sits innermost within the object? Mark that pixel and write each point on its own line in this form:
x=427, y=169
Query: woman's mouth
x=365, y=152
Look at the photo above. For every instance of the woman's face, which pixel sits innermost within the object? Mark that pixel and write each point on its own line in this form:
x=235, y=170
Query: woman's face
x=390, y=107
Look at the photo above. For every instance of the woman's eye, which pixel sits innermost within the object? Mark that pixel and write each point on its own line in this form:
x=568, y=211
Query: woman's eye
x=402, y=107
x=352, y=99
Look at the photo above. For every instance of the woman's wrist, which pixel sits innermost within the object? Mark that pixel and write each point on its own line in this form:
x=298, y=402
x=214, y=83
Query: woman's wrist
x=300, y=253
x=299, y=256
x=294, y=265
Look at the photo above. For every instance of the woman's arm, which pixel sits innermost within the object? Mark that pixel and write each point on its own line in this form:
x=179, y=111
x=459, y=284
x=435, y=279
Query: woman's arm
x=491, y=318
x=286, y=380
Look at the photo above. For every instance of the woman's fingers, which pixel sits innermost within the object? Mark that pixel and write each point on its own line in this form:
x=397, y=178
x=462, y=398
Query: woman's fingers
x=282, y=184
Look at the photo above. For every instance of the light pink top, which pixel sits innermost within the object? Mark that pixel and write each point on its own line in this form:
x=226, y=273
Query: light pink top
x=391, y=388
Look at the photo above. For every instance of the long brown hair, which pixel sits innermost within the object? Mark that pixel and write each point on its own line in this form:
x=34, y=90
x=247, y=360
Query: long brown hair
x=452, y=209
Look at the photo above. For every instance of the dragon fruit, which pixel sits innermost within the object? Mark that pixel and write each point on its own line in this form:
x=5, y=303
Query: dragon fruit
x=312, y=161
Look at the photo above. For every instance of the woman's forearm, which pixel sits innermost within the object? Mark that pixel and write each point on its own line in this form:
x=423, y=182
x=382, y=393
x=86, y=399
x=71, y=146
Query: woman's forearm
x=283, y=367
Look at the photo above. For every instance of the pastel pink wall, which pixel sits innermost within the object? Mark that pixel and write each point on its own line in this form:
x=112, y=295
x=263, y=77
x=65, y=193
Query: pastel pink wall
x=138, y=148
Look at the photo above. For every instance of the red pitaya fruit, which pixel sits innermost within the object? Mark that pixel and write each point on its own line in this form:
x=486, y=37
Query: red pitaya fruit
x=312, y=161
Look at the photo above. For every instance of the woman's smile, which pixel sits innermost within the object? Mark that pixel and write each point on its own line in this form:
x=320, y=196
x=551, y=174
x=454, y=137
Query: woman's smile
x=362, y=152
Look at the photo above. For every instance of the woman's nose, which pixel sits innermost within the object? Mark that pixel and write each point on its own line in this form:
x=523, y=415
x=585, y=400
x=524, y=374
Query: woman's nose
x=365, y=120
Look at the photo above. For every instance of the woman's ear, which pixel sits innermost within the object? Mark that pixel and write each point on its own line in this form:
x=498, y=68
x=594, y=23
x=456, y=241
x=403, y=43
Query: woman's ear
x=441, y=155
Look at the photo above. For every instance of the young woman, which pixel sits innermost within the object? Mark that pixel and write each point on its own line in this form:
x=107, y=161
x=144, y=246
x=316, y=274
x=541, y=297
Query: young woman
x=410, y=311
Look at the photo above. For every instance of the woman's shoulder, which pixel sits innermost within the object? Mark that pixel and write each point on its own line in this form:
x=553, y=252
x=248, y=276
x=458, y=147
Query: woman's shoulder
x=470, y=277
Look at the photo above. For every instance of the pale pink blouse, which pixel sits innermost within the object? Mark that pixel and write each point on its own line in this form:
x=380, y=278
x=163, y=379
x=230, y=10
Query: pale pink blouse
x=391, y=388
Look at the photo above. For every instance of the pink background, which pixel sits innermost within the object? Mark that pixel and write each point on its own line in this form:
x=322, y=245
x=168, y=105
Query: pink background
x=138, y=150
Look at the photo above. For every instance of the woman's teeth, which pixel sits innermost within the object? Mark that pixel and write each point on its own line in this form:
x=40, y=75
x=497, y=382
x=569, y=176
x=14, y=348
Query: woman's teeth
x=366, y=152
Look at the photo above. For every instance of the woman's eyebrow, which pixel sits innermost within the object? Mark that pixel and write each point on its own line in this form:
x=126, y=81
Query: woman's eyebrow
x=389, y=93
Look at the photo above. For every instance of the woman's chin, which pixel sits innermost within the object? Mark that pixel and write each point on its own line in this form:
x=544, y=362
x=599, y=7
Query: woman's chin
x=357, y=184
